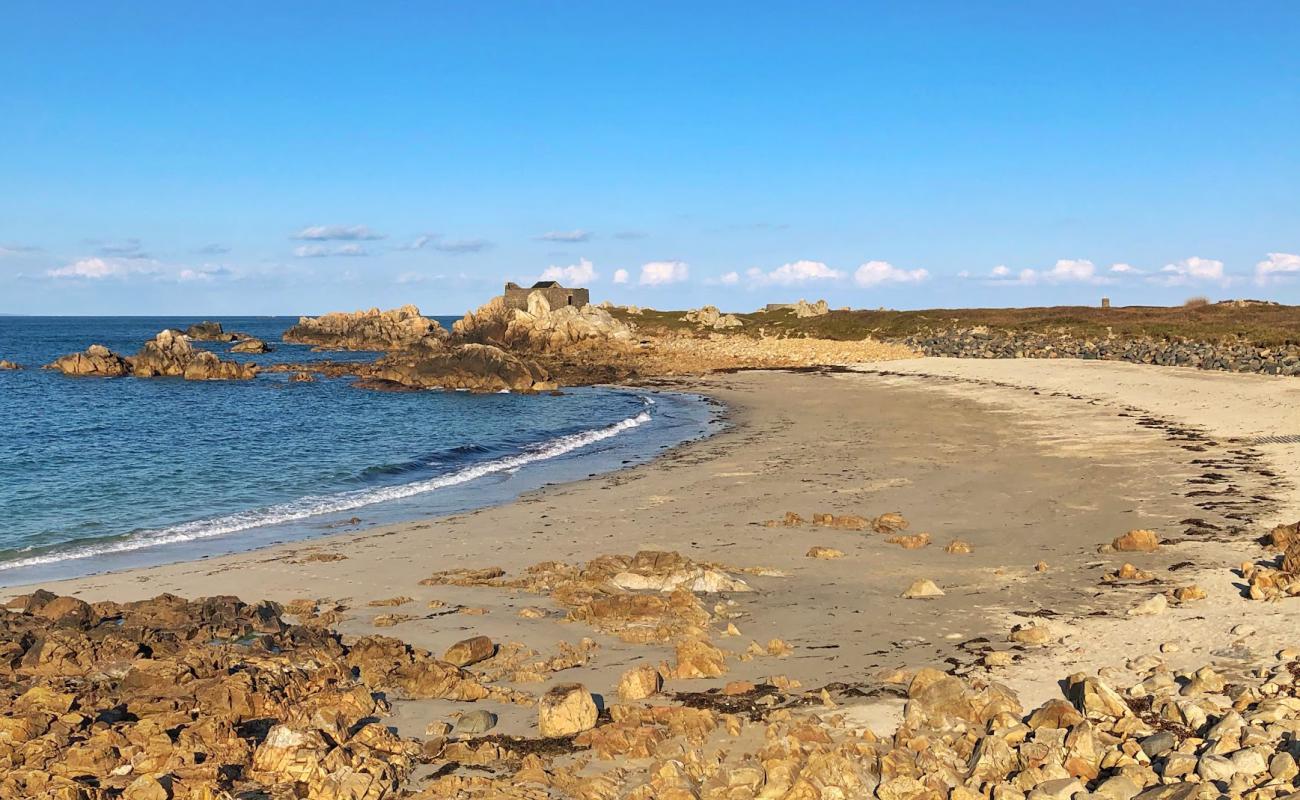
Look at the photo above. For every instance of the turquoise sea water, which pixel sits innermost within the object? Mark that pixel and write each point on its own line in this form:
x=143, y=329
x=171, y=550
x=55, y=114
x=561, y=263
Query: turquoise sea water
x=100, y=474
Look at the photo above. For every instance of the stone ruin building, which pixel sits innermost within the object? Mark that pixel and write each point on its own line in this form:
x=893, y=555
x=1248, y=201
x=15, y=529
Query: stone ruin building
x=516, y=296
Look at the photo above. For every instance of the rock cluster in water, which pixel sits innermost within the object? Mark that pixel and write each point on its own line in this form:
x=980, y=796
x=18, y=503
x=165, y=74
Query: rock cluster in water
x=365, y=330
x=169, y=354
x=432, y=363
x=9, y=365
x=1229, y=356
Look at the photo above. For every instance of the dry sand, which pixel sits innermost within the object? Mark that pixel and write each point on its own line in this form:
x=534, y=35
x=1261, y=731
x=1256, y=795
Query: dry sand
x=1025, y=460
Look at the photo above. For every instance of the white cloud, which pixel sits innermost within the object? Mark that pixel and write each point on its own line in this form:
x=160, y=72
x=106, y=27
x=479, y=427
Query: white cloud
x=323, y=251
x=96, y=269
x=323, y=233
x=566, y=236
x=454, y=246
x=658, y=273
x=1276, y=266
x=190, y=275
x=573, y=275
x=621, y=276
x=1124, y=269
x=793, y=274
x=1065, y=270
x=874, y=273
x=1191, y=270
x=730, y=279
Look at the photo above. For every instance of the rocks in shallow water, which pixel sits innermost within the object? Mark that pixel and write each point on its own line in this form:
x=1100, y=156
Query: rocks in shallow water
x=1137, y=541
x=96, y=361
x=365, y=330
x=922, y=588
x=566, y=710
x=167, y=354
x=9, y=365
x=476, y=367
x=207, y=331
x=302, y=377
x=470, y=651
x=251, y=345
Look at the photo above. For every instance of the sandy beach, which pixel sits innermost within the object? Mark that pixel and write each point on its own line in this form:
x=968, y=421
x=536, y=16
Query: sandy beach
x=1026, y=461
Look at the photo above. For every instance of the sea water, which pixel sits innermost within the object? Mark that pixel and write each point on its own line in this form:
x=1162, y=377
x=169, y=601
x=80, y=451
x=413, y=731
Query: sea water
x=108, y=473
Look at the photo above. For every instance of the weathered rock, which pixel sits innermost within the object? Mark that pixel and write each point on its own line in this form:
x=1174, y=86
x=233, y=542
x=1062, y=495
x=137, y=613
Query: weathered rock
x=922, y=588
x=711, y=317
x=469, y=651
x=697, y=658
x=566, y=710
x=169, y=354
x=472, y=723
x=541, y=329
x=804, y=309
x=1137, y=541
x=476, y=367
x=96, y=361
x=824, y=553
x=250, y=344
x=366, y=330
x=9, y=365
x=639, y=683
x=958, y=547
x=1031, y=634
x=208, y=331
x=1156, y=604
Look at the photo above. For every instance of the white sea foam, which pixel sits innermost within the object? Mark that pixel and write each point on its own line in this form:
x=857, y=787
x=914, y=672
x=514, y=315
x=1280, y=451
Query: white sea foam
x=317, y=505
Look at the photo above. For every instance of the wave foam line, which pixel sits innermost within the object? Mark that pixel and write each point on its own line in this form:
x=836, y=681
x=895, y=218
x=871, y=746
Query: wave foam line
x=316, y=505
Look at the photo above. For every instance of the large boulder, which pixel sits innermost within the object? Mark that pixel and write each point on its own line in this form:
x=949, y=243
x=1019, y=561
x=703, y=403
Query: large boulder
x=96, y=361
x=476, y=367
x=251, y=344
x=711, y=317
x=539, y=328
x=365, y=330
x=805, y=309
x=207, y=331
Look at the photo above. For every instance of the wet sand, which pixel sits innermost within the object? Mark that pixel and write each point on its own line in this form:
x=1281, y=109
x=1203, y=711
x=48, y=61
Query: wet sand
x=1020, y=459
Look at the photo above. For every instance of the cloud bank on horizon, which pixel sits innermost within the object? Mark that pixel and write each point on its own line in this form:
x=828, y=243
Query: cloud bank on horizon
x=870, y=154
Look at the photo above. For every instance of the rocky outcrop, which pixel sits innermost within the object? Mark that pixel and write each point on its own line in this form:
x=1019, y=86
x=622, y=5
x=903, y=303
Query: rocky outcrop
x=170, y=354
x=1228, y=356
x=9, y=365
x=433, y=364
x=711, y=317
x=208, y=331
x=96, y=361
x=251, y=344
x=365, y=330
x=539, y=328
x=805, y=309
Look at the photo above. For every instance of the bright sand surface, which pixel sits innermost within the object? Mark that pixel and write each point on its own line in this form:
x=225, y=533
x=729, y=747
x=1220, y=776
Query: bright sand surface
x=1027, y=461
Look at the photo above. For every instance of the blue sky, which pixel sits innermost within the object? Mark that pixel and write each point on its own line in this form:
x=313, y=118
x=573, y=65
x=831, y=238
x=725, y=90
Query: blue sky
x=301, y=157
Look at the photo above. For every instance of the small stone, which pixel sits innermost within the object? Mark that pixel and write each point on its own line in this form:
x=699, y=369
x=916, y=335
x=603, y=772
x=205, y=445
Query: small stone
x=1243, y=630
x=958, y=547
x=999, y=658
x=1030, y=634
x=825, y=553
x=1215, y=768
x=922, y=588
x=734, y=688
x=1137, y=541
x=1041, y=566
x=437, y=729
x=531, y=613
x=1188, y=594
x=469, y=651
x=565, y=710
x=475, y=722
x=1159, y=744
x=1169, y=647
x=1156, y=604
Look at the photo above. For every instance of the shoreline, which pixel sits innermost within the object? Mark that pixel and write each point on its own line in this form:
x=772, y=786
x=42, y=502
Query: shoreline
x=1080, y=497
x=1032, y=466
x=685, y=418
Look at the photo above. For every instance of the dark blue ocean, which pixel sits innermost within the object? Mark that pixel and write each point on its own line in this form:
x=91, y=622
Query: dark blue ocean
x=99, y=474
